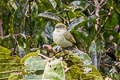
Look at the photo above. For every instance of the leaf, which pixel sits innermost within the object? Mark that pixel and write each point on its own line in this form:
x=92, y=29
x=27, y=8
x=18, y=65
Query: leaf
x=88, y=72
x=34, y=63
x=53, y=2
x=93, y=53
x=21, y=51
x=83, y=56
x=29, y=55
x=59, y=3
x=54, y=70
x=76, y=22
x=32, y=77
x=92, y=18
x=13, y=4
x=50, y=15
x=4, y=50
x=113, y=21
x=5, y=53
x=80, y=4
x=48, y=30
x=9, y=65
x=15, y=76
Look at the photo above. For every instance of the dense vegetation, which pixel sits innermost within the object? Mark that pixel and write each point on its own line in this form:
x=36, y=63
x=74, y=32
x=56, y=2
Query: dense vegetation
x=27, y=25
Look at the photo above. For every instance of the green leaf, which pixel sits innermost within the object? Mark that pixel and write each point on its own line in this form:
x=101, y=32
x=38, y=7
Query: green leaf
x=35, y=63
x=76, y=23
x=13, y=4
x=10, y=65
x=53, y=2
x=84, y=57
x=93, y=53
x=32, y=77
x=80, y=4
x=54, y=70
x=28, y=55
x=21, y=51
x=4, y=50
x=15, y=76
x=4, y=53
x=113, y=21
x=92, y=18
x=50, y=15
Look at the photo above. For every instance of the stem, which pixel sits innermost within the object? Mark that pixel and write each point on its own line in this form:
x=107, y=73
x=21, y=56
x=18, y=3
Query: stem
x=1, y=29
x=97, y=9
x=102, y=27
x=16, y=44
x=68, y=17
x=30, y=18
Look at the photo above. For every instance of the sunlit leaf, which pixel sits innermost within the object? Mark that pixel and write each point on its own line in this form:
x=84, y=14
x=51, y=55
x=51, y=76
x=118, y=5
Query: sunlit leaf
x=35, y=63
x=50, y=15
x=54, y=70
x=32, y=77
x=4, y=50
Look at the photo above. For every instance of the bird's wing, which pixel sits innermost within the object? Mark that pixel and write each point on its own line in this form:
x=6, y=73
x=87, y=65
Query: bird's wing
x=69, y=37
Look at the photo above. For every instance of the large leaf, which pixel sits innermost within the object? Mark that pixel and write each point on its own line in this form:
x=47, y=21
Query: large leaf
x=54, y=70
x=35, y=63
x=50, y=15
x=48, y=31
x=80, y=4
x=83, y=56
x=29, y=55
x=32, y=77
x=76, y=23
x=93, y=53
x=9, y=65
x=4, y=53
x=4, y=50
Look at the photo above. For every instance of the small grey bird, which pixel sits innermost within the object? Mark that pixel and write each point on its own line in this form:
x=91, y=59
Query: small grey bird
x=62, y=37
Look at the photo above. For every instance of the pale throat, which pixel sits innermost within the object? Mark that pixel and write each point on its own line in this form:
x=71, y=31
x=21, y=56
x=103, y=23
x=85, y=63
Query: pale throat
x=60, y=29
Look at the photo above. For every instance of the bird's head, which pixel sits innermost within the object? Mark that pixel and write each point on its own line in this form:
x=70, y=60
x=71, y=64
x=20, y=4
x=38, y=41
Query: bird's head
x=60, y=26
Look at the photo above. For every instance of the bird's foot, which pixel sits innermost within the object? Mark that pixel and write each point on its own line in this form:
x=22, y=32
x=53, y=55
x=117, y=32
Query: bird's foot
x=57, y=49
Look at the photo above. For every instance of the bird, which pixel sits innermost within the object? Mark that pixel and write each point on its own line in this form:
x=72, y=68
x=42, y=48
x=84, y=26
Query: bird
x=62, y=37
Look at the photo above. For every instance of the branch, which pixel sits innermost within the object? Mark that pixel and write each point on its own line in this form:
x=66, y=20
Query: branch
x=43, y=56
x=89, y=2
x=1, y=29
x=102, y=1
x=102, y=26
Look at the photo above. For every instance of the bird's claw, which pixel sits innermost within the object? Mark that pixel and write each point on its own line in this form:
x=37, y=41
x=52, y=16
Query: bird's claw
x=58, y=48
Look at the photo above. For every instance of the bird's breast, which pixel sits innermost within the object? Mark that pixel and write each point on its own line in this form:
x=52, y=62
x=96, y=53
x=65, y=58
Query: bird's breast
x=59, y=39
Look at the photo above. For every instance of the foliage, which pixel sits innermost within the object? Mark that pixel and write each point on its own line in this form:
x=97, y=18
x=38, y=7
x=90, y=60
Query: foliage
x=26, y=25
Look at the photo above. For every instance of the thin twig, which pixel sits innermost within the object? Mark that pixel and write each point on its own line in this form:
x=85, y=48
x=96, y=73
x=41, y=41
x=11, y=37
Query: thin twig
x=68, y=16
x=89, y=2
x=102, y=27
x=43, y=56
